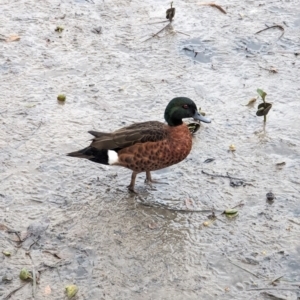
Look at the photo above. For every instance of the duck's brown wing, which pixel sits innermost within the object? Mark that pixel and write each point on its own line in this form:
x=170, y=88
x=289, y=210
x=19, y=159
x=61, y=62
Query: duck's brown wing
x=151, y=131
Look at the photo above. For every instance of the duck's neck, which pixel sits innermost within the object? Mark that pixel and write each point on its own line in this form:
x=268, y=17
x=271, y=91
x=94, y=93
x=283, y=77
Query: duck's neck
x=174, y=123
x=172, y=119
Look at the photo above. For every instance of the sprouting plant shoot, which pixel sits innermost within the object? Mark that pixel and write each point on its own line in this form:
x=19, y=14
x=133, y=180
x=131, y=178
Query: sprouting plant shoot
x=263, y=108
x=170, y=13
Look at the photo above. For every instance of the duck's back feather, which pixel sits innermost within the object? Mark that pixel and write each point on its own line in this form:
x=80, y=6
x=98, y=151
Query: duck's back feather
x=151, y=131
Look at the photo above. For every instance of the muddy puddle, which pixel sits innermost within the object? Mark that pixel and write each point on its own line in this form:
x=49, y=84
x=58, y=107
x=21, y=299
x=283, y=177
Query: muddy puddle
x=197, y=50
x=78, y=223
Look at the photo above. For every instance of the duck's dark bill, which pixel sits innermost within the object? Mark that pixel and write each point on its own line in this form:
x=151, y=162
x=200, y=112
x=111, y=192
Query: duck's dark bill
x=199, y=117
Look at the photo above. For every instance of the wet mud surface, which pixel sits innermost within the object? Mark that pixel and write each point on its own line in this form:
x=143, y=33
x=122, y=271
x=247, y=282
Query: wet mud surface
x=78, y=223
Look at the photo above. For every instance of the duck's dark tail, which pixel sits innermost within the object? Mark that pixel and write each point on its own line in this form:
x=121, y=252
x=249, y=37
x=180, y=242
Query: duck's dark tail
x=93, y=154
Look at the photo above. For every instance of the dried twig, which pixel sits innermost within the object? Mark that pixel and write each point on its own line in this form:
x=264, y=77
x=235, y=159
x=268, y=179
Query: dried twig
x=216, y=6
x=34, y=282
x=293, y=221
x=271, y=70
x=276, y=280
x=176, y=209
x=17, y=233
x=15, y=290
x=33, y=277
x=274, y=26
x=223, y=176
x=154, y=35
x=234, y=182
x=182, y=32
x=274, y=289
x=54, y=266
x=243, y=268
x=158, y=22
x=52, y=253
x=238, y=205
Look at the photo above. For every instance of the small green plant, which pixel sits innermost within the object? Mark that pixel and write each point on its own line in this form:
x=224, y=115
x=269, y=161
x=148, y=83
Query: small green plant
x=71, y=290
x=61, y=97
x=263, y=108
x=59, y=29
x=25, y=274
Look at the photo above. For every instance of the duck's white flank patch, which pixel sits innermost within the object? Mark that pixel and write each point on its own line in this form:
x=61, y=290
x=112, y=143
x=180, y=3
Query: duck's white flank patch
x=112, y=157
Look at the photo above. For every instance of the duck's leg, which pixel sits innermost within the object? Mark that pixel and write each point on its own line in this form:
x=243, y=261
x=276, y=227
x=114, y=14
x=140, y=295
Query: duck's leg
x=132, y=182
x=149, y=179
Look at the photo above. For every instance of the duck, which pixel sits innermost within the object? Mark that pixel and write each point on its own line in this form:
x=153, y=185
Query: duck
x=146, y=146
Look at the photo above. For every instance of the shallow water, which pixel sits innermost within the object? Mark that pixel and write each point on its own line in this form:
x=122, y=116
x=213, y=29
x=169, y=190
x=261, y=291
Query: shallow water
x=115, y=245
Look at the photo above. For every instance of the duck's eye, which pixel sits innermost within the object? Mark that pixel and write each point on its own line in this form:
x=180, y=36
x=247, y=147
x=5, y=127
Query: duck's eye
x=185, y=106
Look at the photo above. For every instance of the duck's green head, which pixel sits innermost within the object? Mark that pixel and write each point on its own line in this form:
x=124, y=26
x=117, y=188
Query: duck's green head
x=180, y=108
